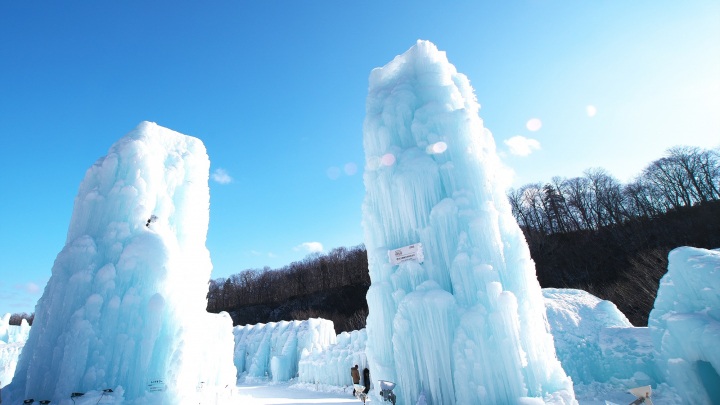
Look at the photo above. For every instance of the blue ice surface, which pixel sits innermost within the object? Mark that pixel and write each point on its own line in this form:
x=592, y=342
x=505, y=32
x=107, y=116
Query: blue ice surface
x=685, y=324
x=124, y=309
x=272, y=351
x=467, y=324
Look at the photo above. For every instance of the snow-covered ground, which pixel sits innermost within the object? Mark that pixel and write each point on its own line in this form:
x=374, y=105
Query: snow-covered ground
x=288, y=393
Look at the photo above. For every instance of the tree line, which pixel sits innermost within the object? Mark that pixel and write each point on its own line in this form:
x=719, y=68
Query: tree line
x=16, y=318
x=686, y=176
x=612, y=240
x=589, y=232
x=341, y=267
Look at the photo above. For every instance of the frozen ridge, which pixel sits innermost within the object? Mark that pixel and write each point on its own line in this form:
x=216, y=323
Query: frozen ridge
x=467, y=324
x=124, y=308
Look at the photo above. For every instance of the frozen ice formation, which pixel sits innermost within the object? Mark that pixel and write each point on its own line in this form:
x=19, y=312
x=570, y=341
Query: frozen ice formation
x=331, y=365
x=273, y=350
x=595, y=342
x=12, y=340
x=124, y=308
x=685, y=324
x=467, y=323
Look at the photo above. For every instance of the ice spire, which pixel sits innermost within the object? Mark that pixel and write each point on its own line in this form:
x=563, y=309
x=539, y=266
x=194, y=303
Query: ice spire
x=124, y=308
x=467, y=324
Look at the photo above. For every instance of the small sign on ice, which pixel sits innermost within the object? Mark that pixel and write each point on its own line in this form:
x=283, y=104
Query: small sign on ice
x=405, y=253
x=156, y=385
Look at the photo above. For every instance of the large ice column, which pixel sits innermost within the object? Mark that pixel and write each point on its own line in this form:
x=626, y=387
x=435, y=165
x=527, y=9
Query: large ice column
x=685, y=324
x=468, y=324
x=125, y=304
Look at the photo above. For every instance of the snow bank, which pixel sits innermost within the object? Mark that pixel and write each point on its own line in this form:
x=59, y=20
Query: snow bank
x=124, y=308
x=685, y=324
x=274, y=350
x=466, y=323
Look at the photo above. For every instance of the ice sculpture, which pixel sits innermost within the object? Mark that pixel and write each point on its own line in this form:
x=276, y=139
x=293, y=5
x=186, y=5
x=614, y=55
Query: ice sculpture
x=466, y=325
x=273, y=350
x=596, y=343
x=12, y=340
x=124, y=308
x=685, y=324
x=331, y=365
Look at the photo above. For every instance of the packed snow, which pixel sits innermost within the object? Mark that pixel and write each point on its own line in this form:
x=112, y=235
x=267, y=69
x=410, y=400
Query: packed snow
x=456, y=312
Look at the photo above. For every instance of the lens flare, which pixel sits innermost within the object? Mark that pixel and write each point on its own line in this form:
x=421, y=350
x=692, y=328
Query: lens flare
x=333, y=173
x=388, y=159
x=350, y=168
x=534, y=124
x=591, y=111
x=439, y=147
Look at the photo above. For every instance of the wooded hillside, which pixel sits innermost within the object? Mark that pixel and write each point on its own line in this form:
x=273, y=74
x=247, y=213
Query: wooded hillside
x=588, y=232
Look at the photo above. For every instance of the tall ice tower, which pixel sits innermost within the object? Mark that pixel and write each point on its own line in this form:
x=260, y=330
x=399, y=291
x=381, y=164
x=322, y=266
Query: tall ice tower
x=124, y=309
x=456, y=311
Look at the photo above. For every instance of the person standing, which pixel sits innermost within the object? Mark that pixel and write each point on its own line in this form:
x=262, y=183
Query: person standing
x=355, y=374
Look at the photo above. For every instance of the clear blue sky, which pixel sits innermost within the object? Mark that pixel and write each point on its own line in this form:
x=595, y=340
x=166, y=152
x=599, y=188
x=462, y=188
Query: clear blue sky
x=276, y=90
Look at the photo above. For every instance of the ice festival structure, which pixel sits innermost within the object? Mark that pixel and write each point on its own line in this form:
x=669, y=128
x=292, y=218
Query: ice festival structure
x=12, y=340
x=685, y=325
x=457, y=316
x=124, y=309
x=272, y=351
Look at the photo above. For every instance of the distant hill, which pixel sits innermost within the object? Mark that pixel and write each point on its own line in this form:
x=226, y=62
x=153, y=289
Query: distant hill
x=624, y=263
x=589, y=232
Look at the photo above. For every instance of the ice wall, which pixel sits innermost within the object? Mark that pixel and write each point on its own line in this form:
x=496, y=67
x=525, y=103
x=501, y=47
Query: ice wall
x=467, y=325
x=12, y=340
x=595, y=342
x=331, y=365
x=124, y=308
x=685, y=324
x=273, y=350
x=13, y=333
